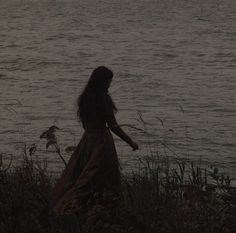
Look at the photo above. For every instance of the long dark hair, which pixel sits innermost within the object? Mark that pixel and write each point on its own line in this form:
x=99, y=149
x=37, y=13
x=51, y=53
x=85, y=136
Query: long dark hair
x=92, y=100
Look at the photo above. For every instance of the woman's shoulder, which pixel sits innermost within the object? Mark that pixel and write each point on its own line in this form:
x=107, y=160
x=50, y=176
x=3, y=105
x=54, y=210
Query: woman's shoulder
x=107, y=102
x=107, y=99
x=109, y=105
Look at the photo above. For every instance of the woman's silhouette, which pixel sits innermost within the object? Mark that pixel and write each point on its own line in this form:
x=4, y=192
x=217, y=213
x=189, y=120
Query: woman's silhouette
x=93, y=167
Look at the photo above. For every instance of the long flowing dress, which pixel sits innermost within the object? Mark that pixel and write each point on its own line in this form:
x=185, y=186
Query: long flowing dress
x=93, y=167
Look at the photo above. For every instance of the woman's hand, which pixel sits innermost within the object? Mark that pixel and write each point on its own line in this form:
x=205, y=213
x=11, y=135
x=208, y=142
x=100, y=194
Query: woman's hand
x=134, y=146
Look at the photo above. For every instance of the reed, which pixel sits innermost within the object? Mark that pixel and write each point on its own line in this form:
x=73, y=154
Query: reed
x=161, y=196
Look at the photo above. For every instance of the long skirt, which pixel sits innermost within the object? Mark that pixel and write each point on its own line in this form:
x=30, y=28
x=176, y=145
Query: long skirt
x=92, y=168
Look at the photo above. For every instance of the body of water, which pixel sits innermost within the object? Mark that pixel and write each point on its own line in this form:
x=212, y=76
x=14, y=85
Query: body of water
x=174, y=63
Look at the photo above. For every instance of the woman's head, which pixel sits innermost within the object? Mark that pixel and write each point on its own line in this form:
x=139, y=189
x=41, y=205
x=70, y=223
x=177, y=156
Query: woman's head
x=99, y=81
x=91, y=101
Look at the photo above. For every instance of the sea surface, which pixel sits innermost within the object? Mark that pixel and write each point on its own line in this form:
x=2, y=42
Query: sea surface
x=175, y=75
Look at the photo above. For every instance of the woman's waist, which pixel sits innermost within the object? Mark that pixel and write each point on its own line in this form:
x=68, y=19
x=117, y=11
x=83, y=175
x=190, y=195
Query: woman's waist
x=96, y=129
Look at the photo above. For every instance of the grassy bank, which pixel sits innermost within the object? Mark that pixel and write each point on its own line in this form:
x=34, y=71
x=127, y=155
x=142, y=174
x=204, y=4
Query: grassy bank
x=160, y=196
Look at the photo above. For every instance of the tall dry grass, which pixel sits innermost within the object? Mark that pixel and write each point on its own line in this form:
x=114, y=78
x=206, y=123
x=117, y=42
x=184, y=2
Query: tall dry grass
x=160, y=195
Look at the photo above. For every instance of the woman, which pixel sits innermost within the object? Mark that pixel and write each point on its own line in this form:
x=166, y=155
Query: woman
x=93, y=167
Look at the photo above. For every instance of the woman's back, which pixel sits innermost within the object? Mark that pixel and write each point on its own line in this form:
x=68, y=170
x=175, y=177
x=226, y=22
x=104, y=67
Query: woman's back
x=99, y=117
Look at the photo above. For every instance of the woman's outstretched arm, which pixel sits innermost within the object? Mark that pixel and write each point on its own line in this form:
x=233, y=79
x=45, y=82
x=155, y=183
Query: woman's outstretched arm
x=116, y=129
